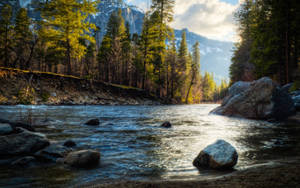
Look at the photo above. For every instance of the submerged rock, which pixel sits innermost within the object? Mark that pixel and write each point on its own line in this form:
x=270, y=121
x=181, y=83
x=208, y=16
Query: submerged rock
x=22, y=143
x=166, y=124
x=24, y=161
x=15, y=125
x=263, y=99
x=83, y=158
x=5, y=129
x=219, y=155
x=52, y=153
x=93, y=122
x=69, y=143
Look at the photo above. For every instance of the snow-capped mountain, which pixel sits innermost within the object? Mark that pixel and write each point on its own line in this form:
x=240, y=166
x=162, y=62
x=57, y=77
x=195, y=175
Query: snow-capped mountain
x=215, y=55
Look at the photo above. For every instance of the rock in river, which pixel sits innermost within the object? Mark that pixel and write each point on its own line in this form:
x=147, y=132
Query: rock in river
x=5, y=128
x=24, y=161
x=262, y=99
x=21, y=143
x=83, y=158
x=219, y=155
x=69, y=143
x=52, y=153
x=166, y=124
x=93, y=122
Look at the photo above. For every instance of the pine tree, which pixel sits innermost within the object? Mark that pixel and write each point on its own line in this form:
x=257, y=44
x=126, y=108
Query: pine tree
x=24, y=38
x=195, y=68
x=64, y=24
x=163, y=15
x=104, y=59
x=208, y=87
x=6, y=40
x=126, y=55
x=145, y=44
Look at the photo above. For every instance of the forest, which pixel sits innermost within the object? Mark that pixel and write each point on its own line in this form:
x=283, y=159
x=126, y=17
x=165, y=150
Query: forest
x=269, y=42
x=64, y=41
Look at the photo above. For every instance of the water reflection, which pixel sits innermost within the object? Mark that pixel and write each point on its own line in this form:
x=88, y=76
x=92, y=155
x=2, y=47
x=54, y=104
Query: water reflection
x=133, y=146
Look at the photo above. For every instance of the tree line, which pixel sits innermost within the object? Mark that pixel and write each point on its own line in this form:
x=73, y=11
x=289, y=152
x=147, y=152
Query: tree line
x=64, y=41
x=269, y=45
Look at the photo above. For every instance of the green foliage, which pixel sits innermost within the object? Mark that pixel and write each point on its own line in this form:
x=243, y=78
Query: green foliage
x=23, y=38
x=63, y=42
x=26, y=95
x=208, y=87
x=269, y=41
x=6, y=35
x=45, y=95
x=64, y=24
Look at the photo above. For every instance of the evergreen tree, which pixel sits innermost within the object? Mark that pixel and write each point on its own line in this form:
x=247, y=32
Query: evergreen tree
x=195, y=68
x=163, y=15
x=64, y=24
x=208, y=87
x=24, y=38
x=145, y=44
x=6, y=40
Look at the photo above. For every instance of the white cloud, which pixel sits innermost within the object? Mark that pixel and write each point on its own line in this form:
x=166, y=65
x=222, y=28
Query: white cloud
x=209, y=18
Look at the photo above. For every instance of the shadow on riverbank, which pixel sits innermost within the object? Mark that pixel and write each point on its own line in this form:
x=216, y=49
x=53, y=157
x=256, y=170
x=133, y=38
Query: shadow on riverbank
x=280, y=173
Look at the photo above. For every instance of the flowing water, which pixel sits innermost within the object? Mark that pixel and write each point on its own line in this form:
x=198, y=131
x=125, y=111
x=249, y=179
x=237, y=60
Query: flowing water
x=133, y=146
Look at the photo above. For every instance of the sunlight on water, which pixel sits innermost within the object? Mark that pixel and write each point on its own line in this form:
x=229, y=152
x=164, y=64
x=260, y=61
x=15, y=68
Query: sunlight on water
x=134, y=146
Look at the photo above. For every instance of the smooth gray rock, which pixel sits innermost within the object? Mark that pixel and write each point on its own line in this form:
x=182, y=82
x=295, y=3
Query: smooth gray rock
x=83, y=158
x=22, y=143
x=219, y=155
x=5, y=128
x=262, y=100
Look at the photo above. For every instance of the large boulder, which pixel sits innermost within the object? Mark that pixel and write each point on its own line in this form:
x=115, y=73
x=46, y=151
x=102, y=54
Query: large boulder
x=21, y=143
x=219, y=155
x=236, y=89
x=83, y=158
x=262, y=99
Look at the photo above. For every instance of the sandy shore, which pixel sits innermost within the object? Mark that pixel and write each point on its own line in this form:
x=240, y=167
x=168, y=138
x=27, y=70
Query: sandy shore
x=281, y=173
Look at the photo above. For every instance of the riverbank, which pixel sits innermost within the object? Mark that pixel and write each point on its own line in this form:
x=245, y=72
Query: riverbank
x=280, y=173
x=41, y=88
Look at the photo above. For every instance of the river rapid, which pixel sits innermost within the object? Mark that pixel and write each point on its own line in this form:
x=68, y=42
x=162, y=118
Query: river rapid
x=133, y=146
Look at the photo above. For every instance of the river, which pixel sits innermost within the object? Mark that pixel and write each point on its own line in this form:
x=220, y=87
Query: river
x=133, y=146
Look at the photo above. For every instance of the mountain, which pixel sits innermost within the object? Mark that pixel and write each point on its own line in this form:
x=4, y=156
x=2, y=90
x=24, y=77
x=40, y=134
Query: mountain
x=215, y=55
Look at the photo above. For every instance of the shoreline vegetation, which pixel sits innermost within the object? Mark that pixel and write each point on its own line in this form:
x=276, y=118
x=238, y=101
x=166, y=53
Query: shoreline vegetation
x=43, y=88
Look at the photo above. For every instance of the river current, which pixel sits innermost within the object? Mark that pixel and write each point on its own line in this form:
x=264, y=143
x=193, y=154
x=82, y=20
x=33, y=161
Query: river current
x=133, y=146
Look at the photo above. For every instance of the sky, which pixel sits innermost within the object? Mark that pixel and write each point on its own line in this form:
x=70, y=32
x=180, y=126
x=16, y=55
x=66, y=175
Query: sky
x=210, y=18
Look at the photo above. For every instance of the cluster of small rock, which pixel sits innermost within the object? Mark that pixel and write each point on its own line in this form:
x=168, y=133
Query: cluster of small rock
x=21, y=146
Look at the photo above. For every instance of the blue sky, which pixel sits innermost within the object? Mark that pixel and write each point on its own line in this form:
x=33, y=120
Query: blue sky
x=210, y=18
x=233, y=2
